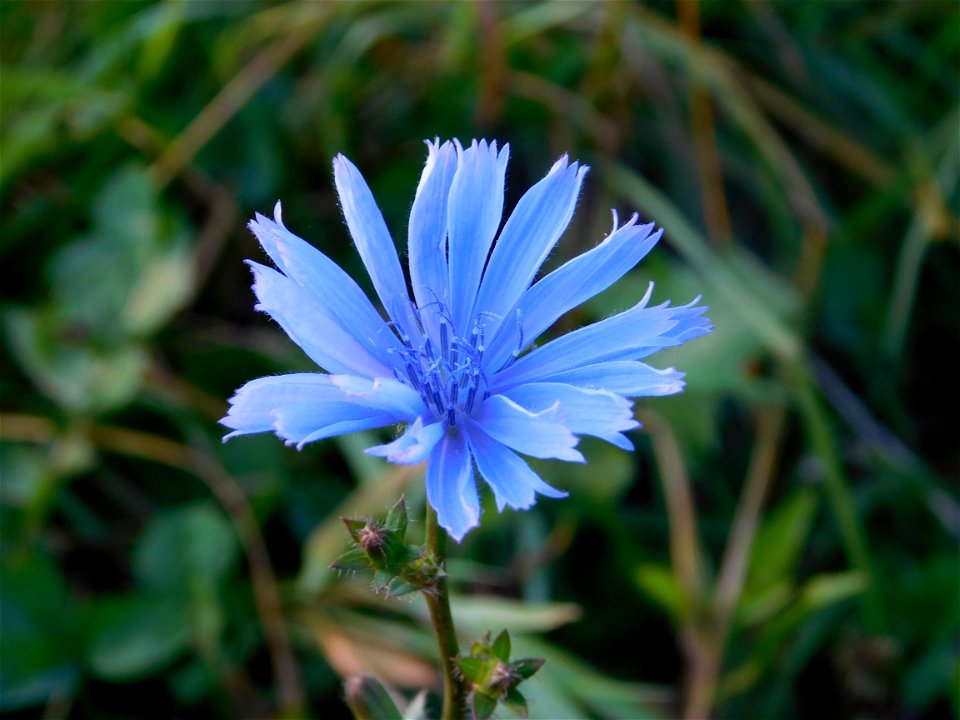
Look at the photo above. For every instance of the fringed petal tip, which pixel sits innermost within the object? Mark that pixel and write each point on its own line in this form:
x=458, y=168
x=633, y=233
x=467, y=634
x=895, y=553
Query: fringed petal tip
x=563, y=164
x=262, y=224
x=646, y=231
x=433, y=146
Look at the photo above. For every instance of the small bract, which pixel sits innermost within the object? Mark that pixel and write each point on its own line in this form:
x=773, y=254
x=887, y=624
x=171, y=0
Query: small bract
x=453, y=364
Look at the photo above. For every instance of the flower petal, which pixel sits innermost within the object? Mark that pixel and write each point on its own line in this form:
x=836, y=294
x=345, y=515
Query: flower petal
x=326, y=282
x=511, y=479
x=570, y=285
x=307, y=423
x=373, y=241
x=310, y=324
x=451, y=487
x=385, y=394
x=538, y=434
x=304, y=407
x=473, y=216
x=532, y=230
x=630, y=378
x=427, y=241
x=599, y=413
x=630, y=335
x=251, y=405
x=413, y=446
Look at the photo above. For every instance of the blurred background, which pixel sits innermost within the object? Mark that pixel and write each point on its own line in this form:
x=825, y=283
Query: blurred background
x=784, y=542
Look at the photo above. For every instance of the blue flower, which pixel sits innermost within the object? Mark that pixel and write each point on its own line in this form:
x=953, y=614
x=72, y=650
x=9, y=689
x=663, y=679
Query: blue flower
x=455, y=365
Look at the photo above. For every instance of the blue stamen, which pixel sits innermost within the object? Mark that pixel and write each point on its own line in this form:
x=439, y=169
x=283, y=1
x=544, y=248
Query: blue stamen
x=444, y=340
x=414, y=378
x=447, y=370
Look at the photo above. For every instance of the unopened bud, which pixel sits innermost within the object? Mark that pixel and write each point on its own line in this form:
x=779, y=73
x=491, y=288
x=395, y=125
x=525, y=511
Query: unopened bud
x=504, y=677
x=372, y=538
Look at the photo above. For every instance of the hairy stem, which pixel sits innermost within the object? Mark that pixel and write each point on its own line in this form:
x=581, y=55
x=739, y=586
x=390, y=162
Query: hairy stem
x=454, y=688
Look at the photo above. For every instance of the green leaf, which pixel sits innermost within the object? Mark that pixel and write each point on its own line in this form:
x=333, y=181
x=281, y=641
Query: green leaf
x=823, y=590
x=660, y=584
x=160, y=30
x=501, y=646
x=352, y=560
x=758, y=607
x=134, y=635
x=181, y=548
x=129, y=232
x=354, y=527
x=26, y=475
x=526, y=667
x=368, y=699
x=474, y=669
x=397, y=588
x=397, y=518
x=162, y=289
x=567, y=685
x=483, y=705
x=479, y=613
x=780, y=542
x=382, y=580
x=516, y=702
x=47, y=110
x=481, y=647
x=38, y=638
x=126, y=207
x=75, y=375
x=32, y=672
x=931, y=675
x=35, y=480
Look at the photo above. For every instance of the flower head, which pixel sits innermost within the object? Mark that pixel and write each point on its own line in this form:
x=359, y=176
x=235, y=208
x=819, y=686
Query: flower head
x=455, y=363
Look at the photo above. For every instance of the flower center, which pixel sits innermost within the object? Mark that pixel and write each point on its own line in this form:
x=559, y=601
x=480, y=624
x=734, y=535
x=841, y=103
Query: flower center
x=445, y=368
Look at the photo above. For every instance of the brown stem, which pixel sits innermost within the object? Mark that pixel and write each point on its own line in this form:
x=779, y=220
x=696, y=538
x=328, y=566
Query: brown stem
x=454, y=688
x=715, y=215
x=706, y=645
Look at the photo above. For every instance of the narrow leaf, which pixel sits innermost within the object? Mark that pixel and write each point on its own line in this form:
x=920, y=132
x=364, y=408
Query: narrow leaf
x=526, y=667
x=483, y=706
x=501, y=646
x=351, y=561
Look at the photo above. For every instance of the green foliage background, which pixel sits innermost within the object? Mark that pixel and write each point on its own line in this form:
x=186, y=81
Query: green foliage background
x=782, y=544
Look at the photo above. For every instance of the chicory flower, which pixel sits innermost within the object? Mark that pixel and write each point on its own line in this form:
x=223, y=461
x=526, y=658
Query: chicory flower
x=455, y=364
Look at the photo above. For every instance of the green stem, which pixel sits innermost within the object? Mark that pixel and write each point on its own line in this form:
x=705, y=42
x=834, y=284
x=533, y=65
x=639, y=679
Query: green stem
x=837, y=486
x=454, y=689
x=913, y=250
